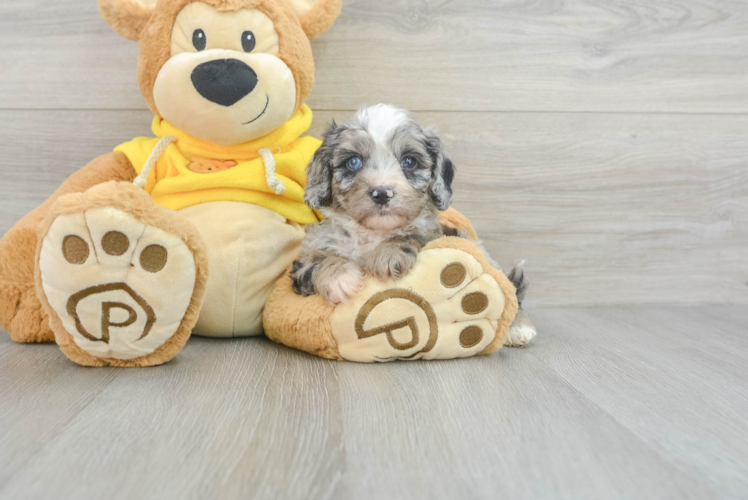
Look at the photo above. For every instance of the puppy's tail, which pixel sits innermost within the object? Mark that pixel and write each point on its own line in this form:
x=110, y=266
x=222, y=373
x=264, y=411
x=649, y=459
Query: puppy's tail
x=517, y=277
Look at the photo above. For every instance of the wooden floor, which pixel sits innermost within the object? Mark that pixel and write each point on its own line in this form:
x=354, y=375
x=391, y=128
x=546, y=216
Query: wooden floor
x=627, y=402
x=604, y=141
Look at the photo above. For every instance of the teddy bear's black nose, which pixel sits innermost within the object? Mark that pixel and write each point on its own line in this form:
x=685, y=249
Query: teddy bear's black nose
x=224, y=81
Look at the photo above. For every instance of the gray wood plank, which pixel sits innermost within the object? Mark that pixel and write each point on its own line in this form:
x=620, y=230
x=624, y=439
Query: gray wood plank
x=40, y=149
x=569, y=55
x=674, y=377
x=41, y=392
x=606, y=208
x=235, y=419
x=608, y=403
x=500, y=427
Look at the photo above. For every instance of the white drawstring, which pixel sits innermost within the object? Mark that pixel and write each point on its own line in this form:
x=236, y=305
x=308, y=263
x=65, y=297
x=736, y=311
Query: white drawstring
x=142, y=180
x=273, y=181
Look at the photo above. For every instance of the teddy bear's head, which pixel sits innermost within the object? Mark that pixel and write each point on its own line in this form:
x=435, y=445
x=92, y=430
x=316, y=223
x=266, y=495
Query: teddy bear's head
x=226, y=71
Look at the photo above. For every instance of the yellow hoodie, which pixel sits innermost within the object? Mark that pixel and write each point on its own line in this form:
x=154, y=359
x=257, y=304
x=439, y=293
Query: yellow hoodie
x=184, y=175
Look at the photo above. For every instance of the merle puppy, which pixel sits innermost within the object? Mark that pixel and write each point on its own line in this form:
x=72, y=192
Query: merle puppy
x=380, y=180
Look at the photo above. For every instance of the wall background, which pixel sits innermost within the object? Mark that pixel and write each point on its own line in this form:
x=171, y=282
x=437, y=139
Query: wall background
x=605, y=141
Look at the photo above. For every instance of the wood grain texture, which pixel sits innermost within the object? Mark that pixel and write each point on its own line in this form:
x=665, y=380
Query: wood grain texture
x=605, y=208
x=33, y=381
x=607, y=403
x=606, y=142
x=699, y=355
x=479, y=55
x=40, y=149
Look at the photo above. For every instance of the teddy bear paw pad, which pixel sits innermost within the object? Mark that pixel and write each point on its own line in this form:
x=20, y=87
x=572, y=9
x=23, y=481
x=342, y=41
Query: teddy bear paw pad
x=447, y=307
x=120, y=287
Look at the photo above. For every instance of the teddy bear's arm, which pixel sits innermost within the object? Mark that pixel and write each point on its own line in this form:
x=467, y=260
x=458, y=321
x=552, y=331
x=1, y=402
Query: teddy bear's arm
x=20, y=310
x=454, y=219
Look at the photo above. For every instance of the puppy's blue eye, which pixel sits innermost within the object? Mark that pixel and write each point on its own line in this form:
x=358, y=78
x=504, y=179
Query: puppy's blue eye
x=408, y=162
x=355, y=163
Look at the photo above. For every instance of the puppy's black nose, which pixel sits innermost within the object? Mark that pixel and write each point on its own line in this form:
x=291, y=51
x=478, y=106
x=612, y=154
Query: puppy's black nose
x=382, y=195
x=224, y=81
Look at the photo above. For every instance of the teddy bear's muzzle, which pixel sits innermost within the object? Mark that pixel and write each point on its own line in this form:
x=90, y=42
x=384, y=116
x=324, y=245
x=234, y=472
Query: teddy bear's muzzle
x=224, y=81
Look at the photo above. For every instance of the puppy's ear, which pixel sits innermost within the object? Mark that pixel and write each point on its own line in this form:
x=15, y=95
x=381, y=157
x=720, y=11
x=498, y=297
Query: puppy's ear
x=127, y=17
x=316, y=16
x=318, y=192
x=443, y=172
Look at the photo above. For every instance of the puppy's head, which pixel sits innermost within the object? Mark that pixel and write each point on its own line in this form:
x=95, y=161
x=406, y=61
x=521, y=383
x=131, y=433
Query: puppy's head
x=380, y=168
x=226, y=71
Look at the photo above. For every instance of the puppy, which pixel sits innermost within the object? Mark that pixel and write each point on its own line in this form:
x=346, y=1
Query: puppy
x=380, y=179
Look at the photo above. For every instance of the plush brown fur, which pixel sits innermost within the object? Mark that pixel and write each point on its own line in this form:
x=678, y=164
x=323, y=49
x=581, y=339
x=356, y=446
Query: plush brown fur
x=126, y=17
x=454, y=219
x=300, y=322
x=126, y=197
x=21, y=313
x=304, y=322
x=320, y=18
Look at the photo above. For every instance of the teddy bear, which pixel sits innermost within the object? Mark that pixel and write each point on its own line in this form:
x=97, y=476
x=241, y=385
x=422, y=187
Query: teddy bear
x=194, y=230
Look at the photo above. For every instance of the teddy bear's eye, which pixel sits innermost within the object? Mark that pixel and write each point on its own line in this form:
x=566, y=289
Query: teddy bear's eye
x=199, y=40
x=248, y=41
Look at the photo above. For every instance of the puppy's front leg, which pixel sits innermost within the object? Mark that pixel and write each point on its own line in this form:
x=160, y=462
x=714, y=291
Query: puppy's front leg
x=333, y=277
x=301, y=275
x=393, y=259
x=336, y=279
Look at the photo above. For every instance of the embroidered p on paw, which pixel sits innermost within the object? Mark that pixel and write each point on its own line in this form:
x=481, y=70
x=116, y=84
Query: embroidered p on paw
x=119, y=286
x=448, y=307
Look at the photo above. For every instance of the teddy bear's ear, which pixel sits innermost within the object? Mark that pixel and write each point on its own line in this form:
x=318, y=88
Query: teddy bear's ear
x=127, y=17
x=316, y=16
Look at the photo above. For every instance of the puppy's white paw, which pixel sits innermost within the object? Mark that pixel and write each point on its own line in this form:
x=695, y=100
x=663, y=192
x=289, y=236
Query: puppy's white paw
x=120, y=287
x=521, y=332
x=343, y=285
x=393, y=261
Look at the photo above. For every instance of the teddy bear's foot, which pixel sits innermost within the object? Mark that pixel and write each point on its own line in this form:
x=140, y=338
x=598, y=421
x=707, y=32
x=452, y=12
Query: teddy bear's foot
x=122, y=278
x=453, y=304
